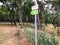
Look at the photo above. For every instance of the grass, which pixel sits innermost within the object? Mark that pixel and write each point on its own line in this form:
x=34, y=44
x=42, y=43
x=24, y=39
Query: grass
x=43, y=38
x=29, y=34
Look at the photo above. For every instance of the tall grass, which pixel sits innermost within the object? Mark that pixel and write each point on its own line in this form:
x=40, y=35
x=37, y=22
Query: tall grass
x=42, y=38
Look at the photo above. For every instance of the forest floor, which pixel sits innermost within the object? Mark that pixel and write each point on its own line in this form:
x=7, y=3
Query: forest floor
x=8, y=37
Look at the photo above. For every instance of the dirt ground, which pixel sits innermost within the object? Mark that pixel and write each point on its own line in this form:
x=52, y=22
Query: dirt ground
x=12, y=40
x=9, y=33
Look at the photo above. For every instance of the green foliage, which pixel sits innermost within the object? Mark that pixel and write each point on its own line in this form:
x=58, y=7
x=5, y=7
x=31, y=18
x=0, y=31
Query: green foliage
x=27, y=8
x=42, y=38
x=50, y=18
x=7, y=14
x=4, y=14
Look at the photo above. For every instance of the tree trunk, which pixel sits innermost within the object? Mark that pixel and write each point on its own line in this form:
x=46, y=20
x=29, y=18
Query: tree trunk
x=38, y=22
x=14, y=20
x=20, y=17
x=58, y=32
x=19, y=13
x=38, y=16
x=26, y=18
x=11, y=17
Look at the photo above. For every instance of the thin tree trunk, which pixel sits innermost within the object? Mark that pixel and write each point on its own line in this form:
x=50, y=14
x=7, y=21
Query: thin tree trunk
x=38, y=16
x=58, y=32
x=38, y=22
x=26, y=18
x=14, y=20
x=20, y=17
x=11, y=17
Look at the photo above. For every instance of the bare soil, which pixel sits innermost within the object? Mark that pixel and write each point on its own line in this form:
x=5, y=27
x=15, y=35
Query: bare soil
x=12, y=40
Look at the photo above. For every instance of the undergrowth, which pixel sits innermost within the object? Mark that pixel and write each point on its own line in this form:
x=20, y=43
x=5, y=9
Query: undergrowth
x=42, y=38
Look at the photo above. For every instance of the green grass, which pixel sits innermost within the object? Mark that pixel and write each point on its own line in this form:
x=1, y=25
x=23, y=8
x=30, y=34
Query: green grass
x=29, y=34
x=43, y=39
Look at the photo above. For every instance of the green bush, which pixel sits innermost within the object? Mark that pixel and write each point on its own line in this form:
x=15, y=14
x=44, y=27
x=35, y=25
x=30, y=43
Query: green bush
x=42, y=38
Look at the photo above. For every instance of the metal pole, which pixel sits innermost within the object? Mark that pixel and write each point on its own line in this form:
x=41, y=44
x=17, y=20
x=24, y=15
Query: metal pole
x=35, y=29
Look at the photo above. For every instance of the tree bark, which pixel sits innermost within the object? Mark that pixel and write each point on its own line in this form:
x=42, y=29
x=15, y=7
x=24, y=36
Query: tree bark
x=38, y=16
x=58, y=32
x=20, y=16
x=19, y=13
x=26, y=18
x=14, y=20
x=38, y=22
